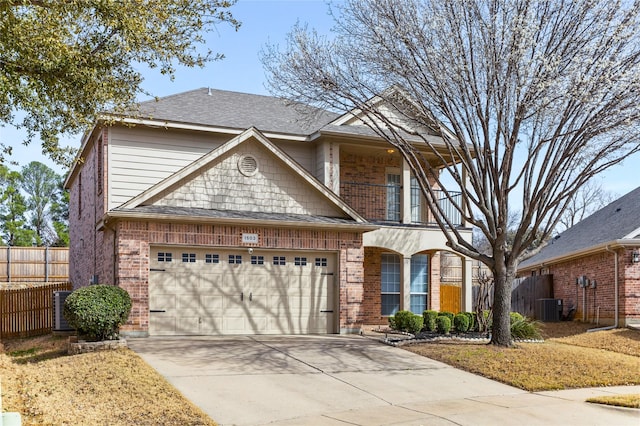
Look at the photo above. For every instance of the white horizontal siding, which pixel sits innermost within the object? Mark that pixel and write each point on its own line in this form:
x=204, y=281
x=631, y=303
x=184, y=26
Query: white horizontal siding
x=140, y=157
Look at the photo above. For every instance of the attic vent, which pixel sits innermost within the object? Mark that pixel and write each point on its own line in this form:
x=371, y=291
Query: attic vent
x=248, y=165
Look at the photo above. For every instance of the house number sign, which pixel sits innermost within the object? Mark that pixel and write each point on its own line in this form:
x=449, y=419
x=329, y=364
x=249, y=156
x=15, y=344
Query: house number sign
x=250, y=238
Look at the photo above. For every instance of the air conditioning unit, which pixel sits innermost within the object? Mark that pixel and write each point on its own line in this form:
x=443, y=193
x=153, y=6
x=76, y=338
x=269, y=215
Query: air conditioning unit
x=548, y=310
x=59, y=322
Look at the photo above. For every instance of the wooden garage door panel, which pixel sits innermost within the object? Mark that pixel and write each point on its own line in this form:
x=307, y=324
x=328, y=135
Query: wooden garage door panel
x=162, y=325
x=241, y=298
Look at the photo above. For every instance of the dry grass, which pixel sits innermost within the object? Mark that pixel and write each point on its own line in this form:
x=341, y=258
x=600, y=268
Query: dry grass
x=575, y=359
x=104, y=388
x=629, y=401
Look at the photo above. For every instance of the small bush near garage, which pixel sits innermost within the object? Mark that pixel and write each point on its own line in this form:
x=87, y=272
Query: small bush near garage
x=406, y=321
x=429, y=319
x=443, y=324
x=97, y=311
x=461, y=323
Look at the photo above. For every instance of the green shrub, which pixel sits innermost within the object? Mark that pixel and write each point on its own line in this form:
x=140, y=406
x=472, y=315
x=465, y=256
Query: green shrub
x=414, y=325
x=472, y=320
x=515, y=316
x=525, y=328
x=443, y=324
x=406, y=321
x=447, y=314
x=97, y=311
x=400, y=320
x=429, y=319
x=461, y=322
x=392, y=323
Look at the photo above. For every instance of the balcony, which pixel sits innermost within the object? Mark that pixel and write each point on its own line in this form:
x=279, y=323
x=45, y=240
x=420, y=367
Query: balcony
x=381, y=203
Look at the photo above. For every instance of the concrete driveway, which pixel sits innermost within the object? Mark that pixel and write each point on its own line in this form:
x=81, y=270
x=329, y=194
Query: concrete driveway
x=320, y=380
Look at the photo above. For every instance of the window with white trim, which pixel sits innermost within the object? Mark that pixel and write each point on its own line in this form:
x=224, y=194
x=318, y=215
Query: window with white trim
x=279, y=260
x=188, y=258
x=257, y=260
x=394, y=189
x=419, y=283
x=211, y=258
x=300, y=261
x=235, y=259
x=390, y=284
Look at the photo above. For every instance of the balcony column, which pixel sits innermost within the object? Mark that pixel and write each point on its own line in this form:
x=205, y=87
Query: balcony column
x=405, y=197
x=406, y=283
x=467, y=285
x=465, y=207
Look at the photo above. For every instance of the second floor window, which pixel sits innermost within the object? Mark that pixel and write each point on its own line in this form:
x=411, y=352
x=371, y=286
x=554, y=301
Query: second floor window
x=393, y=197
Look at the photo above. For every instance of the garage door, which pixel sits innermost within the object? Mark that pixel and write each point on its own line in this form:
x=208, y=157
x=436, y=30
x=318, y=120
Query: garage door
x=201, y=292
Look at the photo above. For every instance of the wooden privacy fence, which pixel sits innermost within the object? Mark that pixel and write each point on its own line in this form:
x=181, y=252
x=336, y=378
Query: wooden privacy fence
x=34, y=264
x=524, y=293
x=26, y=312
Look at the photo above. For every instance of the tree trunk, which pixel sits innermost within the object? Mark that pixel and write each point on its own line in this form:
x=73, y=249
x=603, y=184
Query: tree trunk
x=503, y=277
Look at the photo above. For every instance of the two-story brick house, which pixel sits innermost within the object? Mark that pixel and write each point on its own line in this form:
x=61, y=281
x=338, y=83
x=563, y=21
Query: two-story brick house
x=595, y=264
x=231, y=213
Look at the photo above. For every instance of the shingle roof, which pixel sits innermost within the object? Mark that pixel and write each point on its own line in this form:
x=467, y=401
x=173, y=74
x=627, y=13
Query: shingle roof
x=235, y=110
x=613, y=222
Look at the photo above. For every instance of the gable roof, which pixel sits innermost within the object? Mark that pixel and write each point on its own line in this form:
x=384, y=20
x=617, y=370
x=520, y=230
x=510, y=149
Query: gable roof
x=615, y=224
x=143, y=203
x=221, y=108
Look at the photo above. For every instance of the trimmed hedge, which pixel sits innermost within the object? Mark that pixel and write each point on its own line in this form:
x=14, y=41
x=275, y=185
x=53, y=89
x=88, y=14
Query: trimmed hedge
x=447, y=314
x=406, y=321
x=443, y=324
x=429, y=319
x=472, y=320
x=461, y=322
x=97, y=311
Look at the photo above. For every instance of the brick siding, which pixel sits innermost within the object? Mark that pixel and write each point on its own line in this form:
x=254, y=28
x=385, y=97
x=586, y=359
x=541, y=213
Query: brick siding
x=134, y=240
x=599, y=267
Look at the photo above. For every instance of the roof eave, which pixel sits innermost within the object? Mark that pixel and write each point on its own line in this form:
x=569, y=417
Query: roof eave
x=613, y=244
x=179, y=125
x=132, y=215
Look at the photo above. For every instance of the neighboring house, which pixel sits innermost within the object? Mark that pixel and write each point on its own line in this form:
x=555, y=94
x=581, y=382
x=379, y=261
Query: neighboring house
x=231, y=213
x=596, y=264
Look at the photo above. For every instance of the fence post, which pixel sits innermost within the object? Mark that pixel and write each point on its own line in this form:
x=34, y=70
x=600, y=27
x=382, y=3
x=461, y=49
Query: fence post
x=8, y=264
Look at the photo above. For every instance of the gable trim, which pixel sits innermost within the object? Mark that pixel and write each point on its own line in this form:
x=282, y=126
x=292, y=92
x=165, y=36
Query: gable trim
x=225, y=148
x=633, y=234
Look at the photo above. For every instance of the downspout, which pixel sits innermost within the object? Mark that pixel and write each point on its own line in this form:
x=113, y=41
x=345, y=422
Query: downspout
x=615, y=293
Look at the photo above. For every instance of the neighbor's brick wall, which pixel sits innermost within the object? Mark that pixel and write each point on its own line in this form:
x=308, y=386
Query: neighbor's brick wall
x=135, y=238
x=600, y=267
x=630, y=287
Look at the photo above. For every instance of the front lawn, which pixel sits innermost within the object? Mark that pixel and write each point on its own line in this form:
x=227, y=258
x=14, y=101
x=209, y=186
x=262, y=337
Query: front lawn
x=45, y=385
x=577, y=359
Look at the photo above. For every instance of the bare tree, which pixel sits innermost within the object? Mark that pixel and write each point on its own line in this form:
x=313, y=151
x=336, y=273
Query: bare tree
x=533, y=98
x=590, y=198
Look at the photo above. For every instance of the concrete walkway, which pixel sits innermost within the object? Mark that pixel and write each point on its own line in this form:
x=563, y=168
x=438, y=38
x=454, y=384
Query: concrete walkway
x=319, y=380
